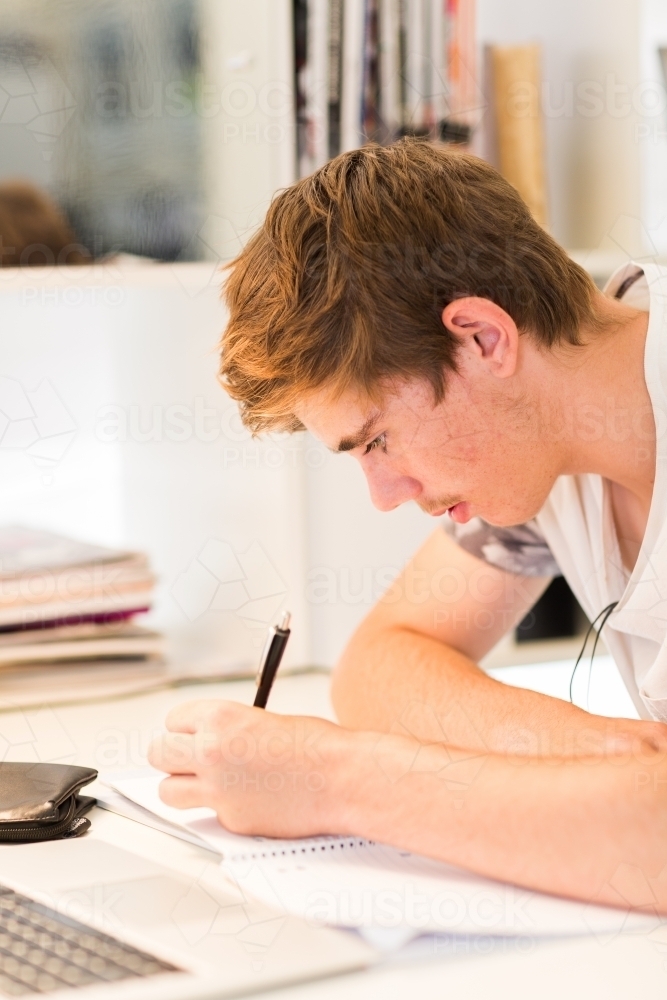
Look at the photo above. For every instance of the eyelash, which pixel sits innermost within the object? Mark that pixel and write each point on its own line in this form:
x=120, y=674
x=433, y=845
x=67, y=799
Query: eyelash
x=379, y=442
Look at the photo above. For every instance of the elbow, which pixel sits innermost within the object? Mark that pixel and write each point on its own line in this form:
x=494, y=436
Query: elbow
x=654, y=734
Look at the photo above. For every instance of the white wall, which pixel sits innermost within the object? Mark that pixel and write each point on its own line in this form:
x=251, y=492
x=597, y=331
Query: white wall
x=593, y=161
x=353, y=551
x=248, y=112
x=113, y=428
x=606, y=166
x=653, y=133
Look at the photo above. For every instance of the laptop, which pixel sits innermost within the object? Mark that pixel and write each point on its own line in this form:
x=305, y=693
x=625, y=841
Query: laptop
x=87, y=919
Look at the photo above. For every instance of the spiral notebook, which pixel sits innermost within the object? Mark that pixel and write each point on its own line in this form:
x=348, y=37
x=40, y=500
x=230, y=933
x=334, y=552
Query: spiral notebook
x=355, y=883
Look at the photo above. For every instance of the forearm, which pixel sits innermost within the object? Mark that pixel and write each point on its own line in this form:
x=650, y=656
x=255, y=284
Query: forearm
x=593, y=829
x=397, y=680
x=590, y=828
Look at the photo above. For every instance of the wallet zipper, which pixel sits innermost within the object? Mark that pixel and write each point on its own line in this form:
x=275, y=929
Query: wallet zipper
x=40, y=831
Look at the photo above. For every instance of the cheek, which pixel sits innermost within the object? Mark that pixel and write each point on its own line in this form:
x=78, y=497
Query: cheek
x=477, y=467
x=457, y=459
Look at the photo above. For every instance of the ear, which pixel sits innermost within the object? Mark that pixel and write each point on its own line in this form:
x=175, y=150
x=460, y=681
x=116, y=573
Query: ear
x=486, y=331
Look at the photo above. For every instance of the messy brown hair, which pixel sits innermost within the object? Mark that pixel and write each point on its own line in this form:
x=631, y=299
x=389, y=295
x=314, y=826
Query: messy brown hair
x=345, y=282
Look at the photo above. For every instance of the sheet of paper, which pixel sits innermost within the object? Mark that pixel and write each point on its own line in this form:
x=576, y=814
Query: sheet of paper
x=374, y=888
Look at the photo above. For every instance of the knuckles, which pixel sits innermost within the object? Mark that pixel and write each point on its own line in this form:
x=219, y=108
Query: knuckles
x=225, y=714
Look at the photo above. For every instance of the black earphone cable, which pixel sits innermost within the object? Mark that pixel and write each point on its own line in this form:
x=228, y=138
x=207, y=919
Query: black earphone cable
x=604, y=615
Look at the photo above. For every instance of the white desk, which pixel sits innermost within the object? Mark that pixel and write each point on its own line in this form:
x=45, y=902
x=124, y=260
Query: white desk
x=115, y=734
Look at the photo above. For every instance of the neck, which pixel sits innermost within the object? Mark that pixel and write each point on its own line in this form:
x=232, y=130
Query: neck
x=601, y=399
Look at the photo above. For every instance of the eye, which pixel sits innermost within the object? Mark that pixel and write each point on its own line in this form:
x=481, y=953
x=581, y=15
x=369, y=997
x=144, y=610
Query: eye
x=379, y=442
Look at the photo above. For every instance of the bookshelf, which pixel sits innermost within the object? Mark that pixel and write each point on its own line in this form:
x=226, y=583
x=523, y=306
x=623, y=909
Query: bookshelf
x=601, y=170
x=372, y=70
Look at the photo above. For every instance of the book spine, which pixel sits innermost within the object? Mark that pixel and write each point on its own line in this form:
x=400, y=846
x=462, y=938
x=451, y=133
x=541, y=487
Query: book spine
x=414, y=64
x=300, y=12
x=390, y=80
x=516, y=78
x=335, y=75
x=372, y=70
x=352, y=77
x=372, y=124
x=317, y=83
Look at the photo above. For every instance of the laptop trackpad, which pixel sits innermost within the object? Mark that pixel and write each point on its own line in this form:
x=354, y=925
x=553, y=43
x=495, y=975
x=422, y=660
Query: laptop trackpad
x=68, y=864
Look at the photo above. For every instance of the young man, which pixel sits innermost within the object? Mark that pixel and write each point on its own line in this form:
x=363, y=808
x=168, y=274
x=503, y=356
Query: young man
x=403, y=306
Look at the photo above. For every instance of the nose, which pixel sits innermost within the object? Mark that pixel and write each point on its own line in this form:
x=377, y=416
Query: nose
x=389, y=490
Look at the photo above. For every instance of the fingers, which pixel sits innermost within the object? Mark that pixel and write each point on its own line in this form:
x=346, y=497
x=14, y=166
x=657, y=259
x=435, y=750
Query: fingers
x=174, y=752
x=213, y=713
x=182, y=792
x=186, y=718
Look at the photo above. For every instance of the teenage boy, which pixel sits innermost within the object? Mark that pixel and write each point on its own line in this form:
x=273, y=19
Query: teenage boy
x=403, y=306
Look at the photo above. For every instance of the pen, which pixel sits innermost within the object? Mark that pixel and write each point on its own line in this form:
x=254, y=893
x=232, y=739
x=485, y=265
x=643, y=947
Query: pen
x=272, y=654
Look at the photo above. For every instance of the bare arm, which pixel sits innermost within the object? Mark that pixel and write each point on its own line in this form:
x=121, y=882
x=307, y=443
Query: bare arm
x=590, y=828
x=411, y=667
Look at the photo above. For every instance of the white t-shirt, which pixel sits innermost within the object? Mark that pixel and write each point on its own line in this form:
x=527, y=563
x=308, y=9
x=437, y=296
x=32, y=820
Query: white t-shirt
x=574, y=533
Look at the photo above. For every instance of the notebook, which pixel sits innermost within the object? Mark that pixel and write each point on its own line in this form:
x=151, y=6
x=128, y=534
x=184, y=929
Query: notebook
x=88, y=641
x=49, y=580
x=356, y=883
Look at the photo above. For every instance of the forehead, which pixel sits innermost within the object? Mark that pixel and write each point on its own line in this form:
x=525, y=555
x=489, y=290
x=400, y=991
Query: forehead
x=345, y=416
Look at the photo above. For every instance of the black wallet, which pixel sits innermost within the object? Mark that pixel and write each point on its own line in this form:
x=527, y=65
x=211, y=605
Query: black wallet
x=42, y=801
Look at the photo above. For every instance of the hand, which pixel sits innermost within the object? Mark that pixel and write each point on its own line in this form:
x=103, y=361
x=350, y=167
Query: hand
x=275, y=775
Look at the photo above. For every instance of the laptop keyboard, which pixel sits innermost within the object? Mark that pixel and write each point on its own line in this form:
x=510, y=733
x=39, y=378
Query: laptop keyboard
x=42, y=950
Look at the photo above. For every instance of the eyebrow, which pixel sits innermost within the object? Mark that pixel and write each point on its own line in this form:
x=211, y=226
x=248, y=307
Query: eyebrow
x=362, y=435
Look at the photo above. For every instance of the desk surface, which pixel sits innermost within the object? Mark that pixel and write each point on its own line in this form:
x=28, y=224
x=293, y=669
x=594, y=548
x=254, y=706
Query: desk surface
x=115, y=734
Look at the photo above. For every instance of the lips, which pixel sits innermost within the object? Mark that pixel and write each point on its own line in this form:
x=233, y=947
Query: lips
x=460, y=512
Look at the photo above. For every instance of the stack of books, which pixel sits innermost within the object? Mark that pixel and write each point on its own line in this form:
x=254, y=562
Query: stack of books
x=65, y=600
x=376, y=70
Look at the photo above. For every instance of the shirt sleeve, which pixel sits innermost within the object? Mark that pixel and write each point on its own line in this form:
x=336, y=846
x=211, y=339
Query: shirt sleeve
x=522, y=549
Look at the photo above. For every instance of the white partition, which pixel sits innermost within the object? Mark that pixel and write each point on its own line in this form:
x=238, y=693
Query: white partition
x=114, y=428
x=354, y=550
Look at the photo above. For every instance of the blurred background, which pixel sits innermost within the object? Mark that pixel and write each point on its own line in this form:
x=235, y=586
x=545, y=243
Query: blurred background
x=155, y=133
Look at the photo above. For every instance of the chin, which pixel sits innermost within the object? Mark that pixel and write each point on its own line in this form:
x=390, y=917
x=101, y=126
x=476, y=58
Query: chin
x=511, y=514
